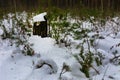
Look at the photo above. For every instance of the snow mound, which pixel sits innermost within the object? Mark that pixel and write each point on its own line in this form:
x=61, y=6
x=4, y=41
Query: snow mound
x=52, y=66
x=41, y=45
x=15, y=68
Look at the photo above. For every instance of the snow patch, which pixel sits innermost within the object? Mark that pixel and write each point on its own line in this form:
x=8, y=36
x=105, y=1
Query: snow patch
x=1, y=31
x=40, y=17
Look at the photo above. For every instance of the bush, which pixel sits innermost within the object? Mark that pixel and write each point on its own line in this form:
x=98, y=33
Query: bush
x=15, y=28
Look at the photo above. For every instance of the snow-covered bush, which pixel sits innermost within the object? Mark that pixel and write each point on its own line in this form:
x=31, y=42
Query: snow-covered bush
x=116, y=59
x=65, y=68
x=64, y=30
x=88, y=57
x=60, y=31
x=16, y=28
x=60, y=27
x=87, y=60
x=84, y=33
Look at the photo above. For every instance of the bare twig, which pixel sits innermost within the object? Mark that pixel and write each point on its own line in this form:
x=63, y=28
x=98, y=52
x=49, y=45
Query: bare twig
x=95, y=70
x=105, y=72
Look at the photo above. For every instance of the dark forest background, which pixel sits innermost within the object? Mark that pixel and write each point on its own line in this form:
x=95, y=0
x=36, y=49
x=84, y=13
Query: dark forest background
x=35, y=5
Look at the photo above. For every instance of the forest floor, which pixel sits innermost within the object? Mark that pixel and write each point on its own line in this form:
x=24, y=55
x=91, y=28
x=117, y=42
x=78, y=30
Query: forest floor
x=52, y=61
x=20, y=67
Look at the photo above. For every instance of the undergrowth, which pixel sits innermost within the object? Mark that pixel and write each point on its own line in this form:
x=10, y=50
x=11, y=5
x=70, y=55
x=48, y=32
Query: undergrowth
x=66, y=29
x=16, y=28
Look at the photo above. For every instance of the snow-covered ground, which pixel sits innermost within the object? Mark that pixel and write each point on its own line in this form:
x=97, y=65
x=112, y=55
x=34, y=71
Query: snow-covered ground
x=50, y=58
x=20, y=67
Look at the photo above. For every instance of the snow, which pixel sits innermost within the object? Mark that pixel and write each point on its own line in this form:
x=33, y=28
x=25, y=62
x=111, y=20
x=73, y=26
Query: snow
x=39, y=17
x=110, y=72
x=16, y=66
x=107, y=43
x=118, y=35
x=20, y=67
x=1, y=31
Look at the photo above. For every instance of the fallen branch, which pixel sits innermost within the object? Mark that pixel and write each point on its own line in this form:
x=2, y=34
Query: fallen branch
x=116, y=57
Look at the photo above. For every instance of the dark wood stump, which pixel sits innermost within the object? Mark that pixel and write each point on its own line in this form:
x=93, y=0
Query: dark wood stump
x=40, y=29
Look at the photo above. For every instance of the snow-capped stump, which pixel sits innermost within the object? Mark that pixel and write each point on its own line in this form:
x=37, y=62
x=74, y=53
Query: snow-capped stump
x=40, y=25
x=39, y=17
x=49, y=62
